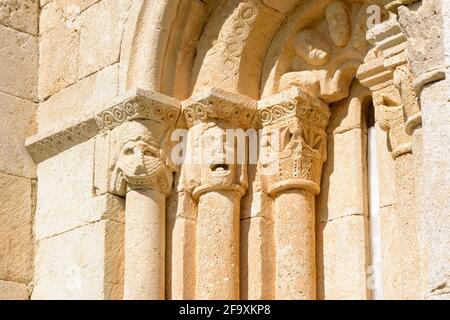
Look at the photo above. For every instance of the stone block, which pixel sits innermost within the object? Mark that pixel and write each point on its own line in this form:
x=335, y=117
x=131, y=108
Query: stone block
x=101, y=35
x=84, y=263
x=17, y=122
x=20, y=15
x=14, y=291
x=344, y=184
x=343, y=258
x=58, y=59
x=66, y=197
x=18, y=63
x=66, y=12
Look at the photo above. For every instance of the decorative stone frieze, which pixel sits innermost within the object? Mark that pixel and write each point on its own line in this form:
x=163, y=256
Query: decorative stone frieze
x=389, y=39
x=299, y=152
x=137, y=104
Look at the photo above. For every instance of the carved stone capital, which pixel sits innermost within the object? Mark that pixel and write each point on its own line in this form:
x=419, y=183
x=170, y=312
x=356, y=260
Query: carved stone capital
x=140, y=163
x=294, y=141
x=391, y=120
x=210, y=163
x=323, y=56
x=219, y=106
x=404, y=82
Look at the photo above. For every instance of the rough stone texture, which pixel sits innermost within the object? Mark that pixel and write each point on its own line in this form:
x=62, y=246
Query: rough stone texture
x=295, y=245
x=68, y=12
x=217, y=257
x=16, y=237
x=71, y=171
x=101, y=31
x=18, y=63
x=58, y=59
x=343, y=261
x=14, y=291
x=17, y=121
x=84, y=263
x=87, y=96
x=21, y=15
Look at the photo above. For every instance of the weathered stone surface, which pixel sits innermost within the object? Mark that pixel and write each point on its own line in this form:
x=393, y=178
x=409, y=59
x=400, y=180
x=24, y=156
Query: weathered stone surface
x=436, y=186
x=58, y=59
x=77, y=205
x=84, y=263
x=17, y=122
x=87, y=96
x=16, y=236
x=14, y=291
x=343, y=258
x=343, y=194
x=18, y=63
x=101, y=35
x=66, y=12
x=20, y=14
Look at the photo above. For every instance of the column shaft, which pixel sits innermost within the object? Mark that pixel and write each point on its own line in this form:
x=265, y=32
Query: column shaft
x=217, y=250
x=144, y=245
x=295, y=259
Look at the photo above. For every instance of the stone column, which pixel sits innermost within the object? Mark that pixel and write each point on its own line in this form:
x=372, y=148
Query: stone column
x=424, y=28
x=387, y=73
x=217, y=182
x=293, y=123
x=142, y=172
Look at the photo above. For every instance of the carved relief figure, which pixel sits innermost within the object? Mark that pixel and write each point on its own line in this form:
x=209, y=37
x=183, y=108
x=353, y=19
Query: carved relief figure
x=328, y=53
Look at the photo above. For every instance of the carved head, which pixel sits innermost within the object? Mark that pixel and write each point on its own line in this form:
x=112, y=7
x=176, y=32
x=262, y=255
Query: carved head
x=141, y=164
x=338, y=20
x=310, y=46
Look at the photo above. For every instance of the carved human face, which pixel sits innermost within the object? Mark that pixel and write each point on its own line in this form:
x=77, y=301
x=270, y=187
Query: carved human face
x=141, y=164
x=338, y=23
x=310, y=46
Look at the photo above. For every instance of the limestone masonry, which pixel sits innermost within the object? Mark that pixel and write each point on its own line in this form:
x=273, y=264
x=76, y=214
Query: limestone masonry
x=224, y=149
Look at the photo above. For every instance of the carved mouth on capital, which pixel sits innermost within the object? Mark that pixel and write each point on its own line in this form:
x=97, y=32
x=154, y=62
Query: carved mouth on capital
x=220, y=169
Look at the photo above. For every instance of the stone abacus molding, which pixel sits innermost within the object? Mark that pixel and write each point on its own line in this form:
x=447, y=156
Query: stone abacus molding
x=218, y=105
x=136, y=104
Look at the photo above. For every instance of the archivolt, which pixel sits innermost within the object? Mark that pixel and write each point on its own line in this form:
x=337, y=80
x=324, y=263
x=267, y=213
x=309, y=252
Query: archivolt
x=178, y=47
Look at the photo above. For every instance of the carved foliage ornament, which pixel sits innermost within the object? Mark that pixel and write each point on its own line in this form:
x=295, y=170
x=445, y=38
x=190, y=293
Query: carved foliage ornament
x=294, y=158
